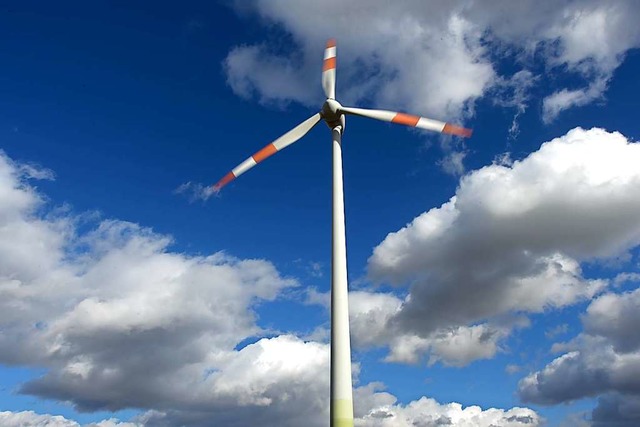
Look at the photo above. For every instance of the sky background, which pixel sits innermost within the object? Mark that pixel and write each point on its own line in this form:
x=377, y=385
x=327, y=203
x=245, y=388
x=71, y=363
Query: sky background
x=493, y=280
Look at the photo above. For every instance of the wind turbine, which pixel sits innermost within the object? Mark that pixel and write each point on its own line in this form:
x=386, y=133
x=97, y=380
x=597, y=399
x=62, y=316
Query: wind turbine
x=333, y=113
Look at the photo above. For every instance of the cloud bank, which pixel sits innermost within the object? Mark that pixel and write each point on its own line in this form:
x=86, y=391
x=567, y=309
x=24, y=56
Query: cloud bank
x=602, y=361
x=510, y=242
x=117, y=320
x=437, y=58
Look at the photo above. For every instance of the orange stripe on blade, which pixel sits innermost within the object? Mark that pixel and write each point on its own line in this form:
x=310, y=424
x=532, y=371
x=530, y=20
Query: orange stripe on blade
x=457, y=130
x=331, y=43
x=224, y=181
x=405, y=119
x=329, y=64
x=267, y=151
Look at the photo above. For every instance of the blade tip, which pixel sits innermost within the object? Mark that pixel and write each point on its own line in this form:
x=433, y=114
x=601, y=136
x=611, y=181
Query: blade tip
x=224, y=181
x=457, y=130
x=331, y=43
x=466, y=133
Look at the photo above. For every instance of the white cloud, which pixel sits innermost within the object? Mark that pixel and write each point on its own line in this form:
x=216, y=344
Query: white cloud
x=559, y=101
x=602, y=361
x=593, y=35
x=116, y=320
x=557, y=330
x=461, y=345
x=593, y=368
x=594, y=38
x=453, y=163
x=511, y=240
x=369, y=315
x=277, y=82
x=119, y=321
x=372, y=317
x=375, y=408
x=520, y=229
x=37, y=172
x=31, y=419
x=196, y=191
x=513, y=92
x=615, y=410
x=512, y=369
x=429, y=413
x=451, y=346
x=623, y=278
x=617, y=317
x=445, y=71
x=435, y=58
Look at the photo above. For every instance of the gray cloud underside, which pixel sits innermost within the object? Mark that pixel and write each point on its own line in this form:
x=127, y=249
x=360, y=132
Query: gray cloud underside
x=510, y=242
x=603, y=360
x=116, y=320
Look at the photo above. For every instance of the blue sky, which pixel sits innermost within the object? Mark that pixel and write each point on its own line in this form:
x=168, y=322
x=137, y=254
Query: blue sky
x=499, y=271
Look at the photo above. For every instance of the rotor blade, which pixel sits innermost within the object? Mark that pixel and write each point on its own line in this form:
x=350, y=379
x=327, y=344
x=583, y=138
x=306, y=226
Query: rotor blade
x=284, y=141
x=329, y=70
x=409, y=120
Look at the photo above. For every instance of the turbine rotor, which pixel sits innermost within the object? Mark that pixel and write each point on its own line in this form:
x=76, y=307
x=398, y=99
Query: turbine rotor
x=332, y=115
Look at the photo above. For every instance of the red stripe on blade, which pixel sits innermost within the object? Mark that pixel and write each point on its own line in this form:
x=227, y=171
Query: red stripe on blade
x=331, y=43
x=224, y=181
x=329, y=64
x=405, y=119
x=267, y=151
x=457, y=130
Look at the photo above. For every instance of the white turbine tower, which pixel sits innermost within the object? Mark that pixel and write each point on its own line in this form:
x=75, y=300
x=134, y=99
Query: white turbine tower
x=333, y=114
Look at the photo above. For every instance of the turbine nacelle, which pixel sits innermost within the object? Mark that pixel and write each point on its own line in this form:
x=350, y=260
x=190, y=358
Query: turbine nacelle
x=332, y=115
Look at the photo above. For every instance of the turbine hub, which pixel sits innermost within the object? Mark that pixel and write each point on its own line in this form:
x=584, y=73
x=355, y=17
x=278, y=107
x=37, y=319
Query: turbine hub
x=332, y=115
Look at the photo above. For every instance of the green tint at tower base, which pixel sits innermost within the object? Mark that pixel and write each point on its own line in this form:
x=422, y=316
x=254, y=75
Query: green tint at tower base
x=342, y=413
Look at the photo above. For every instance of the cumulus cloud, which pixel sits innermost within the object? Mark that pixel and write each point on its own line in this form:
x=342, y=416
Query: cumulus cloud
x=376, y=409
x=510, y=241
x=456, y=346
x=116, y=320
x=280, y=381
x=369, y=314
x=623, y=278
x=436, y=58
x=615, y=410
x=367, y=59
x=371, y=317
x=277, y=82
x=617, y=317
x=31, y=419
x=429, y=413
x=603, y=360
x=593, y=41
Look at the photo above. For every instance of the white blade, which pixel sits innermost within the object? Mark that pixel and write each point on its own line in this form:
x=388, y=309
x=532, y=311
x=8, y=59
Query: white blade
x=284, y=141
x=329, y=70
x=408, y=120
